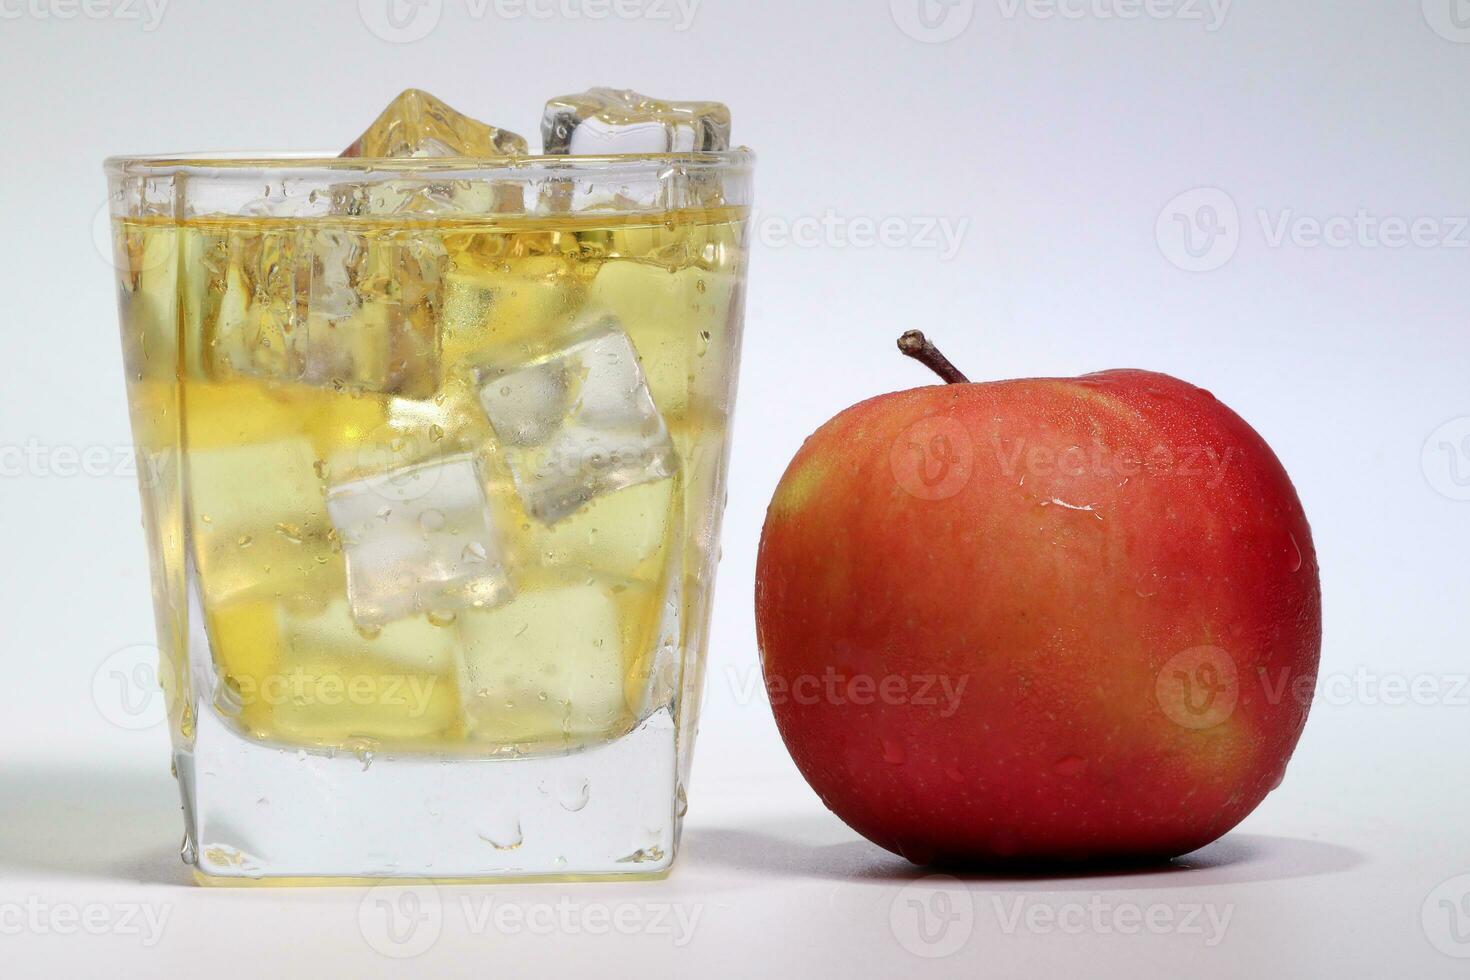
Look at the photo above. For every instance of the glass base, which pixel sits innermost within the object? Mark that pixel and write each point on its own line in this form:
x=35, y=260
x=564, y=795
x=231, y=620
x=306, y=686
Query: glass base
x=256, y=811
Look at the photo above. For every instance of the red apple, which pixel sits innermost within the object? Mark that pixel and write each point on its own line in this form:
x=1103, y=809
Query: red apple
x=1058, y=619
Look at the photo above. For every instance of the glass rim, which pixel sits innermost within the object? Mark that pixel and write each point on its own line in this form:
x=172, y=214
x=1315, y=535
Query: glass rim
x=224, y=164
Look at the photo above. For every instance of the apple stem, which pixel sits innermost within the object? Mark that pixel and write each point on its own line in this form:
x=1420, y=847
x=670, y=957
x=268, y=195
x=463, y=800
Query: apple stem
x=916, y=345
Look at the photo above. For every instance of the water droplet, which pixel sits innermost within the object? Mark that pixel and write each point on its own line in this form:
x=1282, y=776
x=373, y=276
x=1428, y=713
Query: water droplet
x=681, y=803
x=505, y=836
x=573, y=795
x=369, y=632
x=893, y=753
x=442, y=617
x=244, y=541
x=435, y=433
x=473, y=552
x=290, y=532
x=1296, y=559
x=1072, y=765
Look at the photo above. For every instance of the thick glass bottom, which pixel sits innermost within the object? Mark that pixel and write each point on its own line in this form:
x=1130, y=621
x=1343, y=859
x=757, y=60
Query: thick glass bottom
x=257, y=812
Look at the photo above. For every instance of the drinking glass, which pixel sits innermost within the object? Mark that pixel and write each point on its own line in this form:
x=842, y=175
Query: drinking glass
x=432, y=460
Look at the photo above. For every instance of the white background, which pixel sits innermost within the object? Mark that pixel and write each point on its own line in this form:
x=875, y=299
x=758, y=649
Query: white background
x=1060, y=145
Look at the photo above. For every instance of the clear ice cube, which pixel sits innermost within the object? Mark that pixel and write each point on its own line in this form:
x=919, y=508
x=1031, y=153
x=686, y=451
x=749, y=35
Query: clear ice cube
x=578, y=422
x=420, y=539
x=607, y=120
x=549, y=664
x=415, y=124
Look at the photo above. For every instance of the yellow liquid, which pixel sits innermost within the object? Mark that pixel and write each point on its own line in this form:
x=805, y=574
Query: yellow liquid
x=273, y=360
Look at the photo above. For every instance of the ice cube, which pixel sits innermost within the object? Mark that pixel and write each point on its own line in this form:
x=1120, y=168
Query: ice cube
x=550, y=665
x=607, y=120
x=578, y=422
x=420, y=539
x=259, y=525
x=416, y=124
x=329, y=306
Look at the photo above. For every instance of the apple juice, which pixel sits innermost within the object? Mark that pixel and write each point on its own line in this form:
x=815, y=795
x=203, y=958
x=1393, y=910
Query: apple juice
x=439, y=485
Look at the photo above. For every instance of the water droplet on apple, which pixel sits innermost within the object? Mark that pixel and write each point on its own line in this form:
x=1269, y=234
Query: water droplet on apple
x=1296, y=559
x=893, y=753
x=1072, y=765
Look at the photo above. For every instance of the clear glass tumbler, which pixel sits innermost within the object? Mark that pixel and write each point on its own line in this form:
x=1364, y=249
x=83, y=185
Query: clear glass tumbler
x=433, y=463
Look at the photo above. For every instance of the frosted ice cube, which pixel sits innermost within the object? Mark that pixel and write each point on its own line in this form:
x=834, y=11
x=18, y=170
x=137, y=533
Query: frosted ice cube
x=419, y=539
x=578, y=422
x=606, y=120
x=325, y=306
x=550, y=664
x=259, y=524
x=415, y=124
